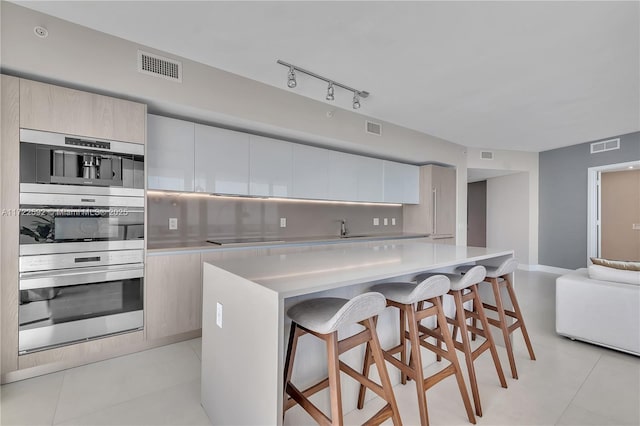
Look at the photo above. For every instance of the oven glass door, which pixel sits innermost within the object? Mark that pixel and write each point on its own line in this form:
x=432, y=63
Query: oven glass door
x=69, y=309
x=80, y=224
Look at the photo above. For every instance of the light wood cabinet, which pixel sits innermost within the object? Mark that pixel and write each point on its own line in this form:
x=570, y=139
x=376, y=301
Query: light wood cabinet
x=174, y=294
x=61, y=110
x=221, y=161
x=170, y=154
x=436, y=212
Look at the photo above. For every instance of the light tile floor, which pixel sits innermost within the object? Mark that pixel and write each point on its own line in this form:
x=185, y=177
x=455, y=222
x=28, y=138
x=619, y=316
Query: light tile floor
x=571, y=383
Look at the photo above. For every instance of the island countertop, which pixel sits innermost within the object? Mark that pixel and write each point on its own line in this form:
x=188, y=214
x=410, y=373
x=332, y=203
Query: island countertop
x=295, y=274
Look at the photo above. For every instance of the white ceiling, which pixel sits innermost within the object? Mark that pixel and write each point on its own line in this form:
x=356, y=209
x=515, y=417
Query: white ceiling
x=527, y=76
x=478, y=175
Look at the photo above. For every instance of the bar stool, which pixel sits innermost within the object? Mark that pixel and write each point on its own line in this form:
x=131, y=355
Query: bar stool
x=498, y=277
x=322, y=317
x=407, y=297
x=463, y=289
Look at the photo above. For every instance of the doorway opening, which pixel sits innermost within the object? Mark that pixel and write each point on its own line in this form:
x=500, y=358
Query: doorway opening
x=613, y=223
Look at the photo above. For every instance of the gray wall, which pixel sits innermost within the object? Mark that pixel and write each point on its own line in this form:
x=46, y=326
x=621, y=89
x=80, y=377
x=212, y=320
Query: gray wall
x=562, y=236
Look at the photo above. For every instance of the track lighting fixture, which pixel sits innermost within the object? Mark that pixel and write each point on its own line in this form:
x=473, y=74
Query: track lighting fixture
x=356, y=100
x=291, y=83
x=330, y=92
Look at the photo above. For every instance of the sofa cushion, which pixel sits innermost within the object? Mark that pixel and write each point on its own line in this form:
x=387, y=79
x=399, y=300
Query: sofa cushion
x=603, y=273
x=617, y=264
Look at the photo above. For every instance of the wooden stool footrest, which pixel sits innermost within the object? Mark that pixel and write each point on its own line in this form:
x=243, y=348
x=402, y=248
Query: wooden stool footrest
x=385, y=413
x=363, y=380
x=439, y=376
x=313, y=411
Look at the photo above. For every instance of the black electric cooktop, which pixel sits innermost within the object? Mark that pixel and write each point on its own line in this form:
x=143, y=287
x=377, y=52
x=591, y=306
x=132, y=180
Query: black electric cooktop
x=244, y=240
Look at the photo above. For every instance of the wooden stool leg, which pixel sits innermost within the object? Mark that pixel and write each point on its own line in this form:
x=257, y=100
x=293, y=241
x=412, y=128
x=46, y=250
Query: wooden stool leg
x=376, y=351
x=502, y=318
x=416, y=364
x=294, y=334
x=474, y=322
x=487, y=335
x=461, y=319
x=365, y=372
x=516, y=308
x=454, y=359
x=403, y=342
x=334, y=378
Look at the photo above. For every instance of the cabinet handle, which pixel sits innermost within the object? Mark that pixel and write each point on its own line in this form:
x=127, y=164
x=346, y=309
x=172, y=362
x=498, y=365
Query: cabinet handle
x=88, y=200
x=435, y=211
x=87, y=259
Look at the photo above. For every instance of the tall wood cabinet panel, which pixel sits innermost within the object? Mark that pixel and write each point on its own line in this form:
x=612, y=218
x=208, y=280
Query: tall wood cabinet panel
x=436, y=211
x=310, y=172
x=9, y=223
x=170, y=154
x=58, y=109
x=174, y=294
x=221, y=161
x=270, y=167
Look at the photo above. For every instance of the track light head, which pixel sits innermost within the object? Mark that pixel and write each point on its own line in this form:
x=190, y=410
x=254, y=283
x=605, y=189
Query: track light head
x=330, y=96
x=356, y=100
x=291, y=81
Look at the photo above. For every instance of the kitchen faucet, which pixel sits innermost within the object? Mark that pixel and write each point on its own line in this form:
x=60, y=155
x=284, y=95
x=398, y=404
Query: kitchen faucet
x=343, y=228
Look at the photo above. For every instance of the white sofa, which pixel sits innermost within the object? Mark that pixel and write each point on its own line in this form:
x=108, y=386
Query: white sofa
x=599, y=311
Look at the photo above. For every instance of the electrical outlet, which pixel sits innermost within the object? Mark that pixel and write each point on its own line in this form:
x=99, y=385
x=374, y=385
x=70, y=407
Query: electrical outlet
x=385, y=221
x=376, y=221
x=283, y=222
x=393, y=221
x=219, y=314
x=173, y=223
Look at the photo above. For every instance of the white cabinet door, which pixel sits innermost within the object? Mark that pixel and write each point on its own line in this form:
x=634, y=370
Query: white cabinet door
x=401, y=183
x=310, y=172
x=343, y=176
x=370, y=179
x=221, y=161
x=170, y=150
x=270, y=167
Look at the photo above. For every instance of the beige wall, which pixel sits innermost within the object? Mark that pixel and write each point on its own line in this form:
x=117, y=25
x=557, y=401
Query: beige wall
x=520, y=162
x=82, y=58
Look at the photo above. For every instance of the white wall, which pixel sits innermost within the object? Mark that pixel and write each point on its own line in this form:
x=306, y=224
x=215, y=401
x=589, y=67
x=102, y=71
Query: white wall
x=82, y=58
x=518, y=161
x=508, y=214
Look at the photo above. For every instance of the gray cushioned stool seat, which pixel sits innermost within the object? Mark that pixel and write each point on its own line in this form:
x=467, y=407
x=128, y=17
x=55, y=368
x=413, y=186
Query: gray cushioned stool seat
x=409, y=293
x=507, y=267
x=325, y=315
x=473, y=276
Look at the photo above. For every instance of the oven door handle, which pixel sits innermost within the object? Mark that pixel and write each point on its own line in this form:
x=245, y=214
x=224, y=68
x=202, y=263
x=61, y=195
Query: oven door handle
x=48, y=279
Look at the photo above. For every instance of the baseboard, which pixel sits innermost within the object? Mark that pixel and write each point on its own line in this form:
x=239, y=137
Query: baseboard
x=545, y=268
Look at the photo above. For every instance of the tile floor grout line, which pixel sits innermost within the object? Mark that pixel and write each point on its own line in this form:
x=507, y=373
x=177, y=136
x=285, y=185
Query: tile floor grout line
x=55, y=411
x=580, y=388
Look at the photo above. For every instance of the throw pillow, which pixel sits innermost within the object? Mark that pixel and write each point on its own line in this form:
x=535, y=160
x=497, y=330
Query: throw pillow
x=617, y=264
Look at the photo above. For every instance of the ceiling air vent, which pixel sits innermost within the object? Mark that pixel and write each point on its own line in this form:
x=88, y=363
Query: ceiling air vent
x=486, y=155
x=159, y=66
x=373, y=128
x=608, y=145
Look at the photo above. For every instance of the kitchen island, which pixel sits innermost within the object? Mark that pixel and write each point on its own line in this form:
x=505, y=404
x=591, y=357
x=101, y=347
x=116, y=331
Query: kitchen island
x=245, y=327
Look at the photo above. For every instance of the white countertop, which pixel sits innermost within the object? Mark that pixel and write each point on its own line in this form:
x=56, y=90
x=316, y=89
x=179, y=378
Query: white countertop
x=302, y=273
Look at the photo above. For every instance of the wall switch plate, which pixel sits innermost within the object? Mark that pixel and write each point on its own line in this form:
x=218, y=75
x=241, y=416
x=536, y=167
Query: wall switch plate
x=219, y=314
x=393, y=221
x=173, y=223
x=283, y=222
x=385, y=221
x=376, y=221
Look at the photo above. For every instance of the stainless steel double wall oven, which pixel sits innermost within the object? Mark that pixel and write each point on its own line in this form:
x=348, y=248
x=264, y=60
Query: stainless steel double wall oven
x=81, y=239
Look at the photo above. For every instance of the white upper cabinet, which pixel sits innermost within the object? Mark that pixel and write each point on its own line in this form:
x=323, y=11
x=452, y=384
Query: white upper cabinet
x=310, y=172
x=270, y=167
x=401, y=183
x=370, y=179
x=221, y=161
x=343, y=176
x=170, y=153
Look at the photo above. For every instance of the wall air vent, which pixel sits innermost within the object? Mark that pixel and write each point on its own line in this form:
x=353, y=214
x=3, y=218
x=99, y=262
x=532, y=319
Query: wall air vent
x=159, y=66
x=486, y=155
x=608, y=145
x=373, y=128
